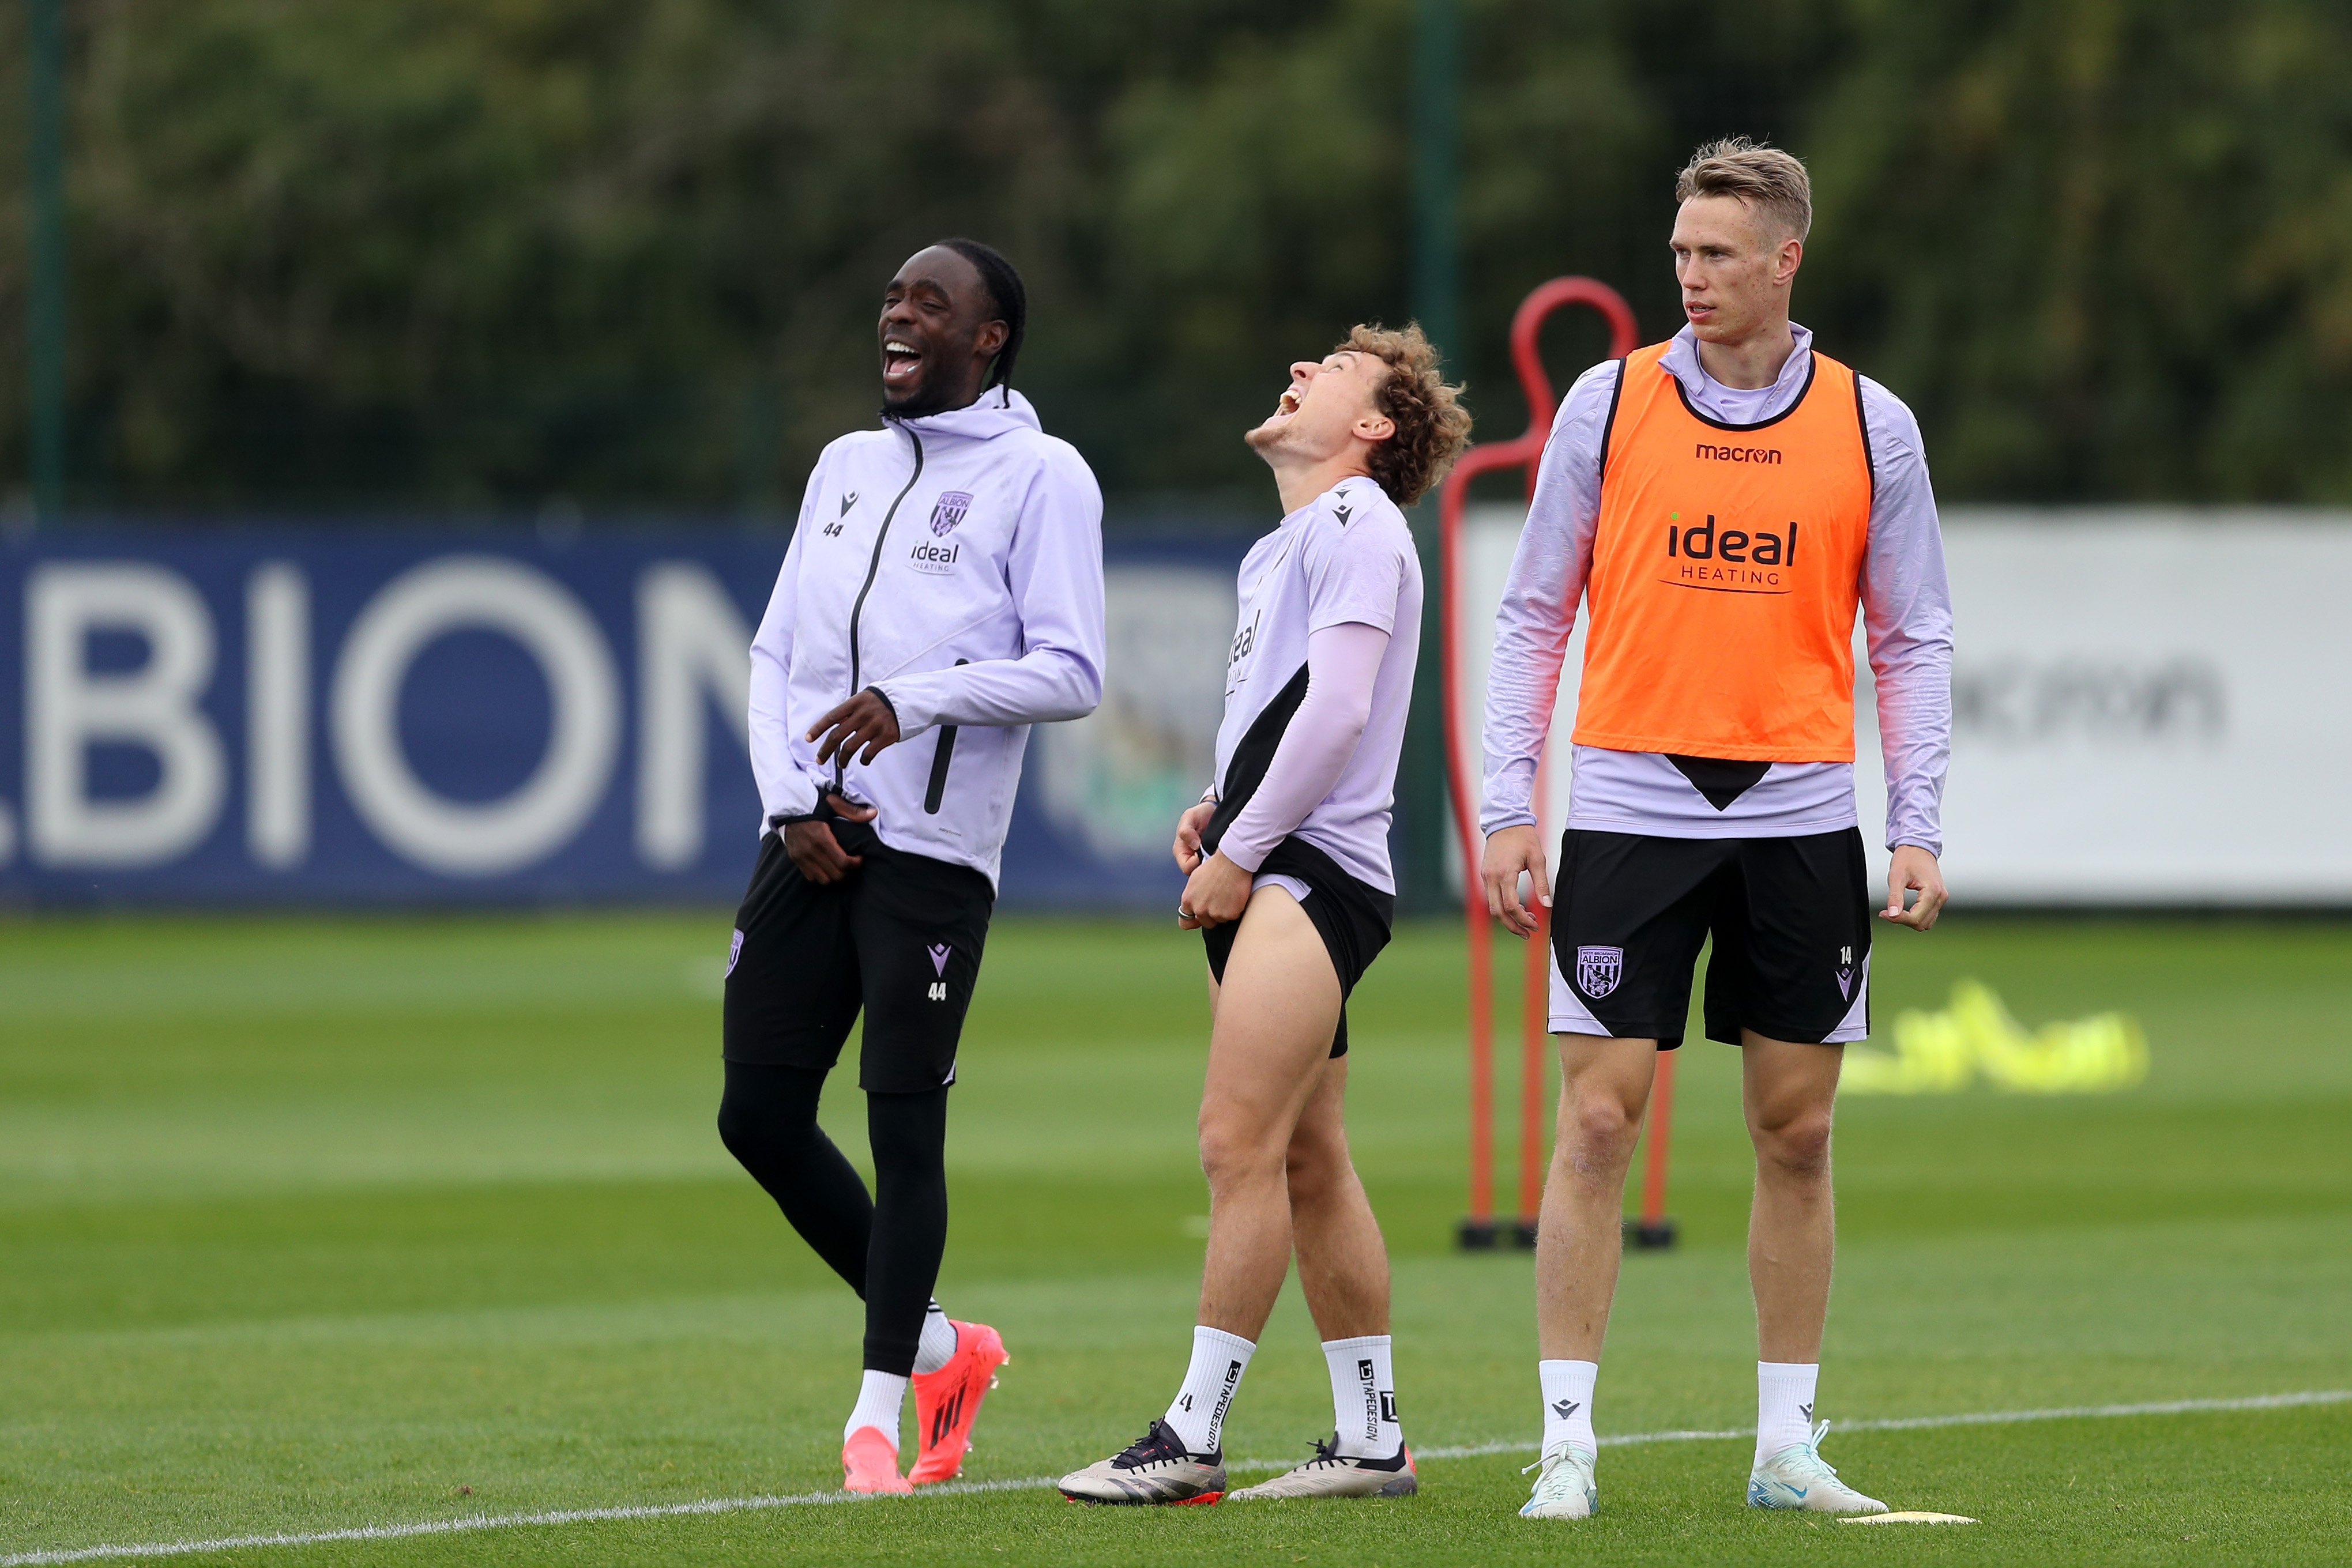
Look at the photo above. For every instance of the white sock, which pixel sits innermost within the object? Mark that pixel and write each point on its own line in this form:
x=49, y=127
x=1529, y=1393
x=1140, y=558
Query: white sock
x=1363, y=1396
x=1198, y=1416
x=1784, y=1406
x=879, y=1399
x=1568, y=1402
x=939, y=1344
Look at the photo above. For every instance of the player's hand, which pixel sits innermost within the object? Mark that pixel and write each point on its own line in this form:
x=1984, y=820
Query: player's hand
x=1509, y=851
x=1216, y=894
x=865, y=720
x=1914, y=867
x=814, y=850
x=1188, y=835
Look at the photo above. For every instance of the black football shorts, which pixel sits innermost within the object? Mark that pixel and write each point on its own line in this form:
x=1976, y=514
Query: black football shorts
x=1353, y=917
x=1790, y=918
x=900, y=939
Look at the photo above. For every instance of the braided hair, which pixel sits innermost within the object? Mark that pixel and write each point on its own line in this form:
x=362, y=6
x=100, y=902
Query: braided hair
x=1010, y=298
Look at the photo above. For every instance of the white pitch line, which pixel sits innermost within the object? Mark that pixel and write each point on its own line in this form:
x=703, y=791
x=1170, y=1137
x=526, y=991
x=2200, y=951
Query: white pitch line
x=1898, y=1424
x=2079, y=1412
x=493, y=1522
x=1031, y=1483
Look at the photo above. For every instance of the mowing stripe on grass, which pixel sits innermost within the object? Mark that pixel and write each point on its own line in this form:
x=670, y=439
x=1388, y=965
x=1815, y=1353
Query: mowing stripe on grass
x=1031, y=1483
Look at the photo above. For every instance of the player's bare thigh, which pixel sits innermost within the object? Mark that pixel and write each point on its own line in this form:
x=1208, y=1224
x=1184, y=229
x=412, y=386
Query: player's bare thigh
x=1789, y=1089
x=1319, y=1141
x=1605, y=1082
x=1274, y=1018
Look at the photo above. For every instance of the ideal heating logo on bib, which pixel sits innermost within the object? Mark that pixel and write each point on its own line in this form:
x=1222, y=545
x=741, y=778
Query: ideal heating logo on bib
x=1733, y=560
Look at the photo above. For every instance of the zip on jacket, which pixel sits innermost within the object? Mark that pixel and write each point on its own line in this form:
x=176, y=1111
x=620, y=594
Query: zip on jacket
x=874, y=565
x=939, y=761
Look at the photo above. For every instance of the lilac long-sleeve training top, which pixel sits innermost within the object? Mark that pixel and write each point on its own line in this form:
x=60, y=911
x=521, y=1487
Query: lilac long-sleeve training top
x=953, y=562
x=1907, y=615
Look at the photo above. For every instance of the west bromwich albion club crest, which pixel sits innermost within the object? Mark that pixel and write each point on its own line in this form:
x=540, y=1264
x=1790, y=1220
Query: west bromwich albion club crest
x=952, y=506
x=1598, y=970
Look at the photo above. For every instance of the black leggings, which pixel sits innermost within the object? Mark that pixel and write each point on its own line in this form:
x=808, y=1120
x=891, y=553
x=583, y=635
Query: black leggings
x=887, y=1247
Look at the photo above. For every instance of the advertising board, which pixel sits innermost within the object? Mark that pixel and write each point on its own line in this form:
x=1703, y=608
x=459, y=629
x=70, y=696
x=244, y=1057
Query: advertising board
x=2151, y=707
x=386, y=718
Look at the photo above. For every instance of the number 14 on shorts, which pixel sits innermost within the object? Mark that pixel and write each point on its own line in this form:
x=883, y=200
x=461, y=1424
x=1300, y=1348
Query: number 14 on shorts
x=940, y=953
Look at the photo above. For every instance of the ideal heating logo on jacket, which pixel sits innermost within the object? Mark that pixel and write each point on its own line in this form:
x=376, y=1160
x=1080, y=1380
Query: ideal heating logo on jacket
x=1728, y=560
x=938, y=560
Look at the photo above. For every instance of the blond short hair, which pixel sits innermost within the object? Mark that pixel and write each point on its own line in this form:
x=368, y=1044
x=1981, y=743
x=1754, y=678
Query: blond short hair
x=1431, y=425
x=1772, y=182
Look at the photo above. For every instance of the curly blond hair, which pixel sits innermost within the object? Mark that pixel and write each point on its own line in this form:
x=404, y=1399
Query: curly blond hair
x=1431, y=425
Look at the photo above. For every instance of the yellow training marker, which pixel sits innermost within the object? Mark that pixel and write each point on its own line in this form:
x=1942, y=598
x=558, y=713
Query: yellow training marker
x=1906, y=1519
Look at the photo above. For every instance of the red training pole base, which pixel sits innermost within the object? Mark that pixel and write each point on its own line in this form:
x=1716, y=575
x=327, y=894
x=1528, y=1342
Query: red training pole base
x=1650, y=1235
x=1493, y=1235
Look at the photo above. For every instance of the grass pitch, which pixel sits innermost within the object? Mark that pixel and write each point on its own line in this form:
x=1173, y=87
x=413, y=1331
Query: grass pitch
x=314, y=1224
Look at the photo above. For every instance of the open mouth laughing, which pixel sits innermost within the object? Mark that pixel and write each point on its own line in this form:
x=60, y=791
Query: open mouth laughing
x=901, y=362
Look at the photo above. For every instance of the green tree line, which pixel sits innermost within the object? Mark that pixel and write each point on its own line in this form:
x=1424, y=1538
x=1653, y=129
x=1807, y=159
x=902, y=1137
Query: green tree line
x=479, y=254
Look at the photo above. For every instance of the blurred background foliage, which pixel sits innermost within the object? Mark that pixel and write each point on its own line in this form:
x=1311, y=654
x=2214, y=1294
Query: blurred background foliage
x=477, y=256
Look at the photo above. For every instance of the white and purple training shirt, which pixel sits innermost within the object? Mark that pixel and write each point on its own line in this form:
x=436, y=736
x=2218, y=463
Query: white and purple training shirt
x=1345, y=560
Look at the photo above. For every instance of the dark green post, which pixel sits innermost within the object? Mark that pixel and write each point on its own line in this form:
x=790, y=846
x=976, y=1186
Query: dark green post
x=45, y=333
x=1437, y=174
x=1437, y=305
x=759, y=446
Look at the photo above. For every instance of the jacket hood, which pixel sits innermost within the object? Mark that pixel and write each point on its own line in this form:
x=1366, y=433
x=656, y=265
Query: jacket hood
x=999, y=411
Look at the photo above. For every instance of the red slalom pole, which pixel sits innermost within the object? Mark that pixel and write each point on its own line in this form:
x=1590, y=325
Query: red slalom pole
x=1523, y=451
x=1534, y=1044
x=1482, y=1072
x=1653, y=1229
x=1478, y=1230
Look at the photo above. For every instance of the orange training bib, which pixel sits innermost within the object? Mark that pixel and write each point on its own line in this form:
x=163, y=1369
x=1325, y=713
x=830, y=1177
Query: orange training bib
x=1726, y=572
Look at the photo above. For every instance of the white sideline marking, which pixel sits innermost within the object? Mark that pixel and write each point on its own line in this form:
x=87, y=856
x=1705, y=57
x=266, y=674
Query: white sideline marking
x=1900, y=1423
x=491, y=1522
x=1031, y=1483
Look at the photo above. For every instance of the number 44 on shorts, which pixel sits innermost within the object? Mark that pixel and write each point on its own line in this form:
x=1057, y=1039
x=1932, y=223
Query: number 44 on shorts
x=940, y=953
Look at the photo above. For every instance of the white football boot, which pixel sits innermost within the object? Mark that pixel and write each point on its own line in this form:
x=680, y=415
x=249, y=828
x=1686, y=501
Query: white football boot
x=1154, y=1469
x=1565, y=1488
x=1331, y=1473
x=1798, y=1477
